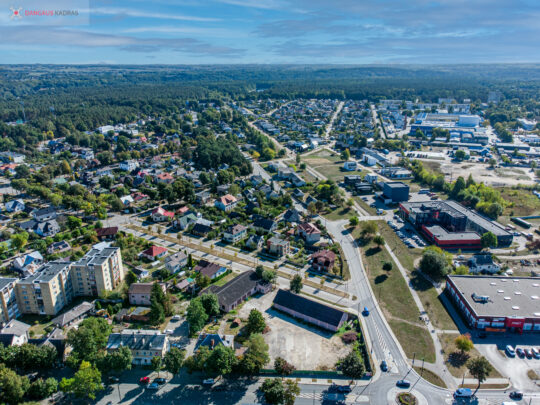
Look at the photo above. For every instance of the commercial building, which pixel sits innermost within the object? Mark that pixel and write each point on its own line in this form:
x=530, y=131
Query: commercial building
x=497, y=304
x=450, y=225
x=144, y=344
x=394, y=192
x=458, y=123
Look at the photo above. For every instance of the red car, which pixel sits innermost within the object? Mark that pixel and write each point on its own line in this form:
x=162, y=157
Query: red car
x=144, y=380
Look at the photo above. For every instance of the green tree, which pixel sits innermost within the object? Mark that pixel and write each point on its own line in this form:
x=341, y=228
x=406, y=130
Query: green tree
x=202, y=281
x=369, y=228
x=130, y=278
x=256, y=356
x=345, y=154
x=87, y=340
x=273, y=390
x=196, y=315
x=460, y=154
x=283, y=367
x=255, y=323
x=157, y=364
x=210, y=304
x=269, y=276
x=85, y=383
x=378, y=240
x=352, y=365
x=12, y=386
x=157, y=312
x=387, y=266
x=488, y=240
x=479, y=368
x=354, y=221
x=19, y=240
x=41, y=388
x=73, y=222
x=492, y=163
x=259, y=270
x=292, y=390
x=464, y=343
x=458, y=187
x=119, y=360
x=461, y=270
x=434, y=264
x=221, y=360
x=173, y=360
x=296, y=284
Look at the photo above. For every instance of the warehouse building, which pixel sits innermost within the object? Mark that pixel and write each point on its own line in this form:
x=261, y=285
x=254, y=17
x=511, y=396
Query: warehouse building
x=497, y=304
x=450, y=225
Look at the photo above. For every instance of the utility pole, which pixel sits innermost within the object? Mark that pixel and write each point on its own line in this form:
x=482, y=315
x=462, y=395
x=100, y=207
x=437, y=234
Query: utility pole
x=413, y=357
x=422, y=372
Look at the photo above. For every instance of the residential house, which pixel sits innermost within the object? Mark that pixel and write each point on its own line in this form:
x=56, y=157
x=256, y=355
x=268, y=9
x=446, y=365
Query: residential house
x=209, y=269
x=323, y=260
x=309, y=232
x=292, y=216
x=200, y=229
x=240, y=288
x=27, y=264
x=127, y=200
x=296, y=180
x=226, y=203
x=483, y=263
x=310, y=311
x=202, y=197
x=58, y=247
x=15, y=333
x=175, y=262
x=47, y=228
x=144, y=344
x=74, y=315
x=154, y=252
x=264, y=225
x=277, y=246
x=129, y=165
x=184, y=221
x=15, y=205
x=108, y=233
x=44, y=214
x=162, y=215
x=184, y=284
x=255, y=242
x=166, y=178
x=235, y=233
x=140, y=293
x=212, y=340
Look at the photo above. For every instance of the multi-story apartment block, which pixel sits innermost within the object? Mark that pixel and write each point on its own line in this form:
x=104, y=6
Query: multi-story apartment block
x=99, y=270
x=47, y=291
x=55, y=284
x=8, y=300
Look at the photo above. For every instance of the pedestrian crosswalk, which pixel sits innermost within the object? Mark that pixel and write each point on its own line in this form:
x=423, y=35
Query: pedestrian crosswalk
x=311, y=395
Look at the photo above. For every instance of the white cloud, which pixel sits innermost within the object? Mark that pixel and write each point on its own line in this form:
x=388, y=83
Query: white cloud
x=148, y=14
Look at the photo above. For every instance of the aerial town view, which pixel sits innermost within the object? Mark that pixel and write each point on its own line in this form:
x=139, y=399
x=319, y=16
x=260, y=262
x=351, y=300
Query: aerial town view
x=272, y=202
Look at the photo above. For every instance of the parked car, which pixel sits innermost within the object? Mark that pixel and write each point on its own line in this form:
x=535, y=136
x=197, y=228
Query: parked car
x=510, y=351
x=463, y=393
x=144, y=380
x=365, y=312
x=516, y=395
x=160, y=380
x=384, y=366
x=154, y=386
x=344, y=389
x=536, y=353
x=520, y=352
x=113, y=379
x=528, y=353
x=176, y=317
x=208, y=381
x=403, y=383
x=168, y=331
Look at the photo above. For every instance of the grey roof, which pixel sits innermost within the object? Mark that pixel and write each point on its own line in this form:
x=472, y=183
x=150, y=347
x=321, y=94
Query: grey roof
x=46, y=272
x=5, y=281
x=442, y=234
x=505, y=294
x=15, y=327
x=96, y=255
x=72, y=314
x=137, y=340
x=235, y=289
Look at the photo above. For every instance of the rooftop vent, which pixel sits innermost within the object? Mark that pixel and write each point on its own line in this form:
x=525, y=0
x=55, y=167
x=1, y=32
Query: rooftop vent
x=507, y=298
x=515, y=281
x=517, y=292
x=515, y=307
x=534, y=297
x=492, y=283
x=500, y=291
x=480, y=298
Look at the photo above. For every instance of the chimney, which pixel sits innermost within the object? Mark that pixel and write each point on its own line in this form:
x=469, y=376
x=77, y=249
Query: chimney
x=212, y=344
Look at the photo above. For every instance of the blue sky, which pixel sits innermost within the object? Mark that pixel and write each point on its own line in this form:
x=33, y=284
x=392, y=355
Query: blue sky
x=272, y=31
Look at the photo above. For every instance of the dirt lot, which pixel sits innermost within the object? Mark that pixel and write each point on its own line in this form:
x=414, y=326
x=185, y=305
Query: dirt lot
x=507, y=176
x=308, y=348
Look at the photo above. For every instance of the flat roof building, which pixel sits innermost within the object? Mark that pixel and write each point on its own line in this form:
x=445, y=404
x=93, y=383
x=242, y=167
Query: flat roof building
x=450, y=225
x=497, y=303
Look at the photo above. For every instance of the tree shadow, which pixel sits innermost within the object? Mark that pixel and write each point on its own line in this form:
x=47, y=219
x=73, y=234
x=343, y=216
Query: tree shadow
x=418, y=282
x=457, y=359
x=381, y=279
x=373, y=251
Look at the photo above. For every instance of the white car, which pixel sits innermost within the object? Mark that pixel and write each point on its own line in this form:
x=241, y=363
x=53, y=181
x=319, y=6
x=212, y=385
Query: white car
x=208, y=381
x=168, y=331
x=176, y=317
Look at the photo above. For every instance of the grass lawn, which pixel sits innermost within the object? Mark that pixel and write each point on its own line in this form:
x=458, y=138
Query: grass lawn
x=430, y=376
x=38, y=324
x=523, y=202
x=429, y=296
x=224, y=280
x=340, y=213
x=457, y=364
x=414, y=339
